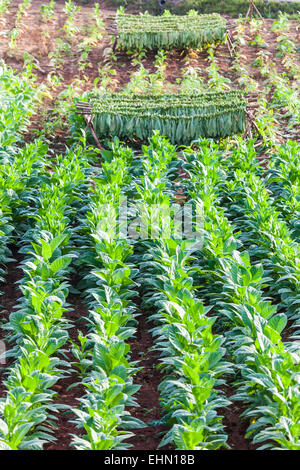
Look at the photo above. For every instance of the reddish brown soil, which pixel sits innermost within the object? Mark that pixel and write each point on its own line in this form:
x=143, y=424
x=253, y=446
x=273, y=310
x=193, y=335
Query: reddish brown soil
x=8, y=300
x=64, y=428
x=69, y=396
x=234, y=427
x=288, y=331
x=175, y=63
x=10, y=291
x=148, y=378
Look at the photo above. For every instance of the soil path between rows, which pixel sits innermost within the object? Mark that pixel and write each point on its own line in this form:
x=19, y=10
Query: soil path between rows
x=149, y=378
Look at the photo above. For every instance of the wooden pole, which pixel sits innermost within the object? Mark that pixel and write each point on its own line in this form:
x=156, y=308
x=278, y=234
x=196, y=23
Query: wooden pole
x=252, y=7
x=90, y=125
x=230, y=43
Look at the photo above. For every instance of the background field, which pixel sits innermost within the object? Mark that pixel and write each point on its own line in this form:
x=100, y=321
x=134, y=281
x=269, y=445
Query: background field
x=70, y=53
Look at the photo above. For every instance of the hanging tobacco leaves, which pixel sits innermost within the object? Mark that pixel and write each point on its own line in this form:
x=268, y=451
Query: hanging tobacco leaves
x=181, y=118
x=168, y=32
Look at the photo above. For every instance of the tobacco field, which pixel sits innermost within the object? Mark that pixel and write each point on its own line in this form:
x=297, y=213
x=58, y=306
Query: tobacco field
x=114, y=336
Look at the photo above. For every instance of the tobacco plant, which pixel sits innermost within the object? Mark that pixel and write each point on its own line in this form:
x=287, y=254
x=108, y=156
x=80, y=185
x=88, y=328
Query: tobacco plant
x=47, y=11
x=70, y=27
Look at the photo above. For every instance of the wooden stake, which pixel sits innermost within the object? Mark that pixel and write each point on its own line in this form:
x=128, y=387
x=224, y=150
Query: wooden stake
x=115, y=44
x=230, y=43
x=248, y=131
x=90, y=125
x=252, y=7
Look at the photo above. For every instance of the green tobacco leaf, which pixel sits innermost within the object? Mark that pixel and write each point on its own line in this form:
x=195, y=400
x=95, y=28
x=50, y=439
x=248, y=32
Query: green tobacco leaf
x=60, y=263
x=278, y=322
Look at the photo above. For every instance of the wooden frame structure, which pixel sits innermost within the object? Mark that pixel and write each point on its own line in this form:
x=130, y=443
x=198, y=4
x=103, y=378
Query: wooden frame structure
x=84, y=108
x=112, y=30
x=253, y=7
